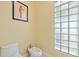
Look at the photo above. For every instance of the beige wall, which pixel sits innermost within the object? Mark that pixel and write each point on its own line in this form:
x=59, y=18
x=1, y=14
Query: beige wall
x=12, y=31
x=45, y=28
x=39, y=31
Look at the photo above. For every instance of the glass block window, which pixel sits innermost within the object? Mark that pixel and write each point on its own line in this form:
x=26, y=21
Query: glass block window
x=66, y=26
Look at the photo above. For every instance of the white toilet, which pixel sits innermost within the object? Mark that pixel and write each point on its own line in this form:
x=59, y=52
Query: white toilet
x=35, y=52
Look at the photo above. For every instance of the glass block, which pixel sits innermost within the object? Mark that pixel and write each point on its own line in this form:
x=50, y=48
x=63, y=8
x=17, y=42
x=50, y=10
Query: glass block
x=65, y=6
x=65, y=31
x=73, y=38
x=64, y=25
x=57, y=46
x=71, y=11
x=57, y=30
x=57, y=36
x=73, y=45
x=57, y=8
x=64, y=12
x=64, y=37
x=73, y=24
x=57, y=14
x=73, y=31
x=63, y=2
x=64, y=49
x=57, y=19
x=57, y=3
x=64, y=18
x=73, y=4
x=73, y=51
x=64, y=43
x=57, y=41
x=73, y=17
x=57, y=25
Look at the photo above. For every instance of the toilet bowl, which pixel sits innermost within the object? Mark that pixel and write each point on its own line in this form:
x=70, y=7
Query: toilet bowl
x=35, y=52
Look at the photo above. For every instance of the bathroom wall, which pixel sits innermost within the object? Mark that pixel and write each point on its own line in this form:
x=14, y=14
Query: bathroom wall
x=14, y=31
x=38, y=31
x=45, y=28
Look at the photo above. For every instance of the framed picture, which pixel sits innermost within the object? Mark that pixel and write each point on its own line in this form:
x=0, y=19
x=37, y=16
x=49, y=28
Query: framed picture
x=19, y=11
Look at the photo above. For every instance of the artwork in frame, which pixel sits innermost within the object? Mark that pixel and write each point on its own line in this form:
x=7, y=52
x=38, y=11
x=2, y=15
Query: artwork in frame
x=19, y=11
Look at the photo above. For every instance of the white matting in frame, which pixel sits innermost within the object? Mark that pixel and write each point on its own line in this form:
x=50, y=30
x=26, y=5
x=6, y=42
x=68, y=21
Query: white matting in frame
x=20, y=11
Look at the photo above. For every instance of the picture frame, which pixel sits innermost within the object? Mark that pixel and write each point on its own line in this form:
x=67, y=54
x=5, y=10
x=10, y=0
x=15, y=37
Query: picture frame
x=19, y=11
